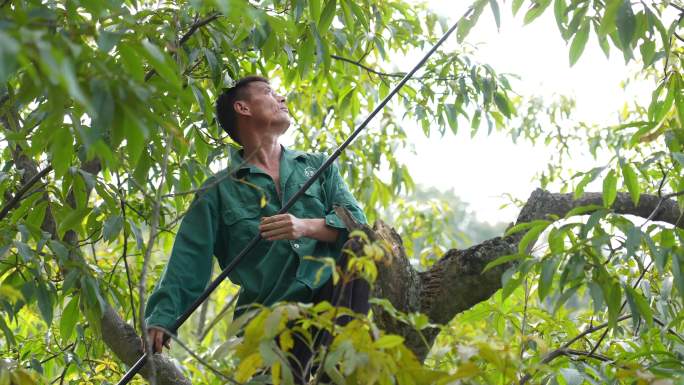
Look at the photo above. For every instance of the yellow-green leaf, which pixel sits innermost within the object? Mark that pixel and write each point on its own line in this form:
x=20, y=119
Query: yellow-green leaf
x=609, y=188
x=388, y=341
x=579, y=42
x=632, y=182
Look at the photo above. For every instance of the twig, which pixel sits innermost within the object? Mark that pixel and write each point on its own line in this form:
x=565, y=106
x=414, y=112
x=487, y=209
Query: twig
x=680, y=9
x=199, y=359
x=124, y=253
x=660, y=202
x=563, y=349
x=524, y=319
x=622, y=307
x=187, y=35
x=390, y=75
x=218, y=317
x=669, y=330
x=595, y=356
x=18, y=196
x=148, y=252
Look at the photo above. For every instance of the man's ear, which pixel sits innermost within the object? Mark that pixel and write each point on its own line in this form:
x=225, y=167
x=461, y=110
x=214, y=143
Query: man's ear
x=242, y=108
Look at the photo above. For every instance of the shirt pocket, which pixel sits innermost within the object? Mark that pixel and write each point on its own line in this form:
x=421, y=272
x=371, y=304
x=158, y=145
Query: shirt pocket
x=242, y=224
x=312, y=203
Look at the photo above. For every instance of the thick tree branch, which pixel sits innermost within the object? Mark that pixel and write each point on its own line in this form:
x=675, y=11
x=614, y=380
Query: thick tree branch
x=456, y=283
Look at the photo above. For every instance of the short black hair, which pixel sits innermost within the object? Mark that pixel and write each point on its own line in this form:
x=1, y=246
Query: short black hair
x=225, y=110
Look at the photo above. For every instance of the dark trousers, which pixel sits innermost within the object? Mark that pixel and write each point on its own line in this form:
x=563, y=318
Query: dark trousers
x=353, y=295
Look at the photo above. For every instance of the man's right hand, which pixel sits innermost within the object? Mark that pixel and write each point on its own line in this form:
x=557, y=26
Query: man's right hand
x=156, y=337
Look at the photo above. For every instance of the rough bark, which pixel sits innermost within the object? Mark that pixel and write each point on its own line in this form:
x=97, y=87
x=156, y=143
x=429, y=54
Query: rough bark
x=455, y=282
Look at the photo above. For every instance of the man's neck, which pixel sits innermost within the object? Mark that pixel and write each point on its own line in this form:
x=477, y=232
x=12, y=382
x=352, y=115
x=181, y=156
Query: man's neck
x=263, y=152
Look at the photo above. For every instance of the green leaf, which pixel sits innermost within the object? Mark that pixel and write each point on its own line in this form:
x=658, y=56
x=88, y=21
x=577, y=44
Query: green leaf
x=613, y=297
x=62, y=150
x=496, y=12
x=579, y=42
x=609, y=188
x=8, y=49
x=572, y=376
x=306, y=55
x=9, y=336
x=530, y=237
x=388, y=341
x=515, y=6
x=327, y=16
x=501, y=260
x=548, y=269
x=581, y=210
x=67, y=323
x=639, y=306
x=44, y=302
x=593, y=220
x=161, y=63
x=502, y=104
x=677, y=273
x=557, y=240
x=631, y=181
x=107, y=40
x=315, y=9
x=536, y=10
x=679, y=97
x=605, y=47
x=72, y=221
x=626, y=24
x=112, y=227
x=597, y=296
x=588, y=178
x=679, y=157
x=608, y=21
x=560, y=13
x=525, y=226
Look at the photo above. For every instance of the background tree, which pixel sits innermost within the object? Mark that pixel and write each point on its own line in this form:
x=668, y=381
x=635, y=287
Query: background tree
x=108, y=130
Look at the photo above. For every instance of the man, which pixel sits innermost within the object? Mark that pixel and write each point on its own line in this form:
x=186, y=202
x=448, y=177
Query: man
x=238, y=202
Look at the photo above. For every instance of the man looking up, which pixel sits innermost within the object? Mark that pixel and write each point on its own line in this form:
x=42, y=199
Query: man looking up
x=238, y=202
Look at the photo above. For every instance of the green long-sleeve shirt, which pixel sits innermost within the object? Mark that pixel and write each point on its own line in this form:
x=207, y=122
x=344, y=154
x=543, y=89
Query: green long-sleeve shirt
x=225, y=216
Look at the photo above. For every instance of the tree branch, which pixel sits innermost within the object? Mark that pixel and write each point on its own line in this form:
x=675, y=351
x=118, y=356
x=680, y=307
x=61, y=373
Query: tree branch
x=390, y=75
x=564, y=349
x=456, y=283
x=19, y=195
x=193, y=28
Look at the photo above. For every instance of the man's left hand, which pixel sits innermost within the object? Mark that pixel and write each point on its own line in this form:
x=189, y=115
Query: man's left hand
x=283, y=226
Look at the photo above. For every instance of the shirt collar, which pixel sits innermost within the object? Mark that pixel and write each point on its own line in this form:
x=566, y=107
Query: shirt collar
x=239, y=165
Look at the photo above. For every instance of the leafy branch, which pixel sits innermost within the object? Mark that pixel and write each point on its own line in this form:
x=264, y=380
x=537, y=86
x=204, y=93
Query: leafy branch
x=394, y=74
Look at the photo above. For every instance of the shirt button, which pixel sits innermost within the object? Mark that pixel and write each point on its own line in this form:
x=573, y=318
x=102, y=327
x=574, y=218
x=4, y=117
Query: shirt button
x=296, y=245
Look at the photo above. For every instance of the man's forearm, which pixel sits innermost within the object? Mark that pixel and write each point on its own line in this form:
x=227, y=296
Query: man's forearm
x=317, y=229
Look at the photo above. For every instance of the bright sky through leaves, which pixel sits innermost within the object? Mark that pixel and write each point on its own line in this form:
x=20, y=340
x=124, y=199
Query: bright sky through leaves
x=482, y=169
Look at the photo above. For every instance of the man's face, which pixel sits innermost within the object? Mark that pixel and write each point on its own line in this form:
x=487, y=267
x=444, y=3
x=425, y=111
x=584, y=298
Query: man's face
x=267, y=107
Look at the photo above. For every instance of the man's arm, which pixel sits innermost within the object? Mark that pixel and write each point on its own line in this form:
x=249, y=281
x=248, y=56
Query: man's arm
x=327, y=229
x=189, y=268
x=287, y=226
